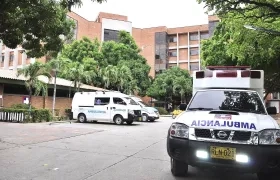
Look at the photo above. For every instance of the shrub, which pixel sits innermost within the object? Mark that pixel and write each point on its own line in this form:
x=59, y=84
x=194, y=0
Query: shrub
x=162, y=111
x=21, y=106
x=68, y=114
x=37, y=115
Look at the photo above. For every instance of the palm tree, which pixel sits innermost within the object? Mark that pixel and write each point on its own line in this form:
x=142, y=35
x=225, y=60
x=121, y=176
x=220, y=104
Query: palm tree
x=109, y=76
x=75, y=71
x=32, y=82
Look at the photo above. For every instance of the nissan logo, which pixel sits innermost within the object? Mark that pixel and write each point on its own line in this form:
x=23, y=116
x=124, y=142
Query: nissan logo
x=222, y=134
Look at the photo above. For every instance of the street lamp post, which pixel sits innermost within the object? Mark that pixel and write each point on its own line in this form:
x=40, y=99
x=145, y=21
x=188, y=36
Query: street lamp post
x=62, y=37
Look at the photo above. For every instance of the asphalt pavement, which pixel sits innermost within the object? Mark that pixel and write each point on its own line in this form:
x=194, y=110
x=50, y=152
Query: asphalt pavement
x=91, y=151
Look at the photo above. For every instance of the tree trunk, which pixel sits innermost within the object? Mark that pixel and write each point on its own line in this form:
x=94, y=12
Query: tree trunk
x=29, y=97
x=44, y=102
x=265, y=96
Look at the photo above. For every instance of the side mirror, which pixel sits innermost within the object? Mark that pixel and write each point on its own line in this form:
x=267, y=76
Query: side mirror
x=271, y=110
x=183, y=107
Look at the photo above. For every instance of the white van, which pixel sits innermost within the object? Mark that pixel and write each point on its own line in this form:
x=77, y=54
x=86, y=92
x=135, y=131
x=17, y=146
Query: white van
x=148, y=113
x=103, y=106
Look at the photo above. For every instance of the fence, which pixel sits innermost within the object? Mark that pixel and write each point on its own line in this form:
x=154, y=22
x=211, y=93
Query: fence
x=13, y=116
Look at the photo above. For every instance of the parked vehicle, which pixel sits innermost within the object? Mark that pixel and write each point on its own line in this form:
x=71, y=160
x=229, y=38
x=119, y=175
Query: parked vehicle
x=104, y=106
x=148, y=113
x=226, y=125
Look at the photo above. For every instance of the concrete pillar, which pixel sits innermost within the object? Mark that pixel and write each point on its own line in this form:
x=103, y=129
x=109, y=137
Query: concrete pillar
x=7, y=58
x=15, y=63
x=23, y=59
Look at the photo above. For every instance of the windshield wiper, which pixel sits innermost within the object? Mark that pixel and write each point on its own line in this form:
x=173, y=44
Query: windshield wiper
x=201, y=109
x=245, y=111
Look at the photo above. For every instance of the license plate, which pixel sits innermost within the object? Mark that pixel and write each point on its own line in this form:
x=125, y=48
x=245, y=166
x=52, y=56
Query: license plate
x=222, y=152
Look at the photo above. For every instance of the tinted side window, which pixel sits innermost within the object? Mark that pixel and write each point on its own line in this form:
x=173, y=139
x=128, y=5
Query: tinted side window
x=119, y=101
x=101, y=101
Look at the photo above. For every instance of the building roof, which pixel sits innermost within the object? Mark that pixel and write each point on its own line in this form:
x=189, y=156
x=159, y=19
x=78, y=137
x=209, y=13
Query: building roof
x=10, y=74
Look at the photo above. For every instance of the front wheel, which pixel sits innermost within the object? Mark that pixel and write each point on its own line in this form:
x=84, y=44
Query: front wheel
x=145, y=117
x=118, y=119
x=179, y=168
x=82, y=118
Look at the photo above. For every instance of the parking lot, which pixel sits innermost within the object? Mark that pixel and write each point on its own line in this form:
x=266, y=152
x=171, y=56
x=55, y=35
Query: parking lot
x=90, y=151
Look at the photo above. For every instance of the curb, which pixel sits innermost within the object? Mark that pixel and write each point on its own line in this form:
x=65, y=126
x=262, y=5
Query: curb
x=65, y=121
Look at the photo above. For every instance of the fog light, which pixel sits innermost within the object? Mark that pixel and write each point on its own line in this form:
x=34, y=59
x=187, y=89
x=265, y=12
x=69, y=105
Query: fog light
x=242, y=158
x=202, y=154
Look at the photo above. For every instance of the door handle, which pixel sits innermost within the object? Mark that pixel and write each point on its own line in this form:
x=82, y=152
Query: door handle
x=113, y=107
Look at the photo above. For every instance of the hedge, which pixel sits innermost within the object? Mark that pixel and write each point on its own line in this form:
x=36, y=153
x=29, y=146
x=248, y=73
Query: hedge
x=23, y=115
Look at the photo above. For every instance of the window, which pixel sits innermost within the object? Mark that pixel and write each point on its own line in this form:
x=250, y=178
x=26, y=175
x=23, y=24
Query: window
x=194, y=52
x=172, y=53
x=173, y=39
x=212, y=25
x=276, y=95
x=131, y=101
x=194, y=67
x=241, y=101
x=11, y=57
x=194, y=37
x=111, y=35
x=119, y=101
x=101, y=101
x=204, y=36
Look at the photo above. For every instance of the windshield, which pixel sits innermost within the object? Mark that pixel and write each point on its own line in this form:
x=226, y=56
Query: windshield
x=242, y=101
x=131, y=101
x=141, y=102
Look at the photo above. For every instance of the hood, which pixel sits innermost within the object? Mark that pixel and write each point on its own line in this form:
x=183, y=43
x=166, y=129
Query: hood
x=149, y=109
x=243, y=121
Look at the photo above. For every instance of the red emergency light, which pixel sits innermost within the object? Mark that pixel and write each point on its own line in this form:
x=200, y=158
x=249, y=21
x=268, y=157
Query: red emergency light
x=229, y=73
x=228, y=67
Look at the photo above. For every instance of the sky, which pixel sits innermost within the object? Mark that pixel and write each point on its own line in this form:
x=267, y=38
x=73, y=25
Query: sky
x=149, y=13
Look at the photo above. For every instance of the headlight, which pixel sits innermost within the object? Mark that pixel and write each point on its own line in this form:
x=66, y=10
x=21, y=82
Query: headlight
x=269, y=137
x=130, y=111
x=179, y=130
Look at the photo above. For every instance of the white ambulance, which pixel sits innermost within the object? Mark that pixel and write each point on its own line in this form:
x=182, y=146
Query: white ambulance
x=226, y=125
x=104, y=106
x=148, y=113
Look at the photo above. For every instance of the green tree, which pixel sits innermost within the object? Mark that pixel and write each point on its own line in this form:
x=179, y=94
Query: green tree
x=32, y=82
x=78, y=3
x=172, y=84
x=232, y=44
x=247, y=8
x=108, y=58
x=77, y=73
x=36, y=25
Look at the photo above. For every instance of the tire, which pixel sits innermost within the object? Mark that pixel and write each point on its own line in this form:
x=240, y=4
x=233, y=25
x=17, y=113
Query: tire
x=270, y=176
x=118, y=119
x=82, y=118
x=145, y=117
x=129, y=122
x=179, y=168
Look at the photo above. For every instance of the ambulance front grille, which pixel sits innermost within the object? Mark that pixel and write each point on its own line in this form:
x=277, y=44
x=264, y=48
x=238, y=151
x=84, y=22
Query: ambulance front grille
x=213, y=134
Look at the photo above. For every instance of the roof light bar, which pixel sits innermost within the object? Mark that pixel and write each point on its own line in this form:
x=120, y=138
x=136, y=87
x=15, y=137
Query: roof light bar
x=228, y=67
